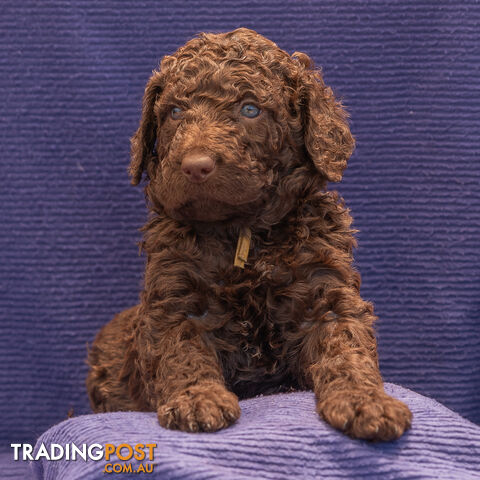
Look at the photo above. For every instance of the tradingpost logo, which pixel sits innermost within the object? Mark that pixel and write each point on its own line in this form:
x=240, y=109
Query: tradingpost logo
x=121, y=458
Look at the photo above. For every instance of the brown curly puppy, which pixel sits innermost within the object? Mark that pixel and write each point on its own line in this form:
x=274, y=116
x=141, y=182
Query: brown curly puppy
x=249, y=285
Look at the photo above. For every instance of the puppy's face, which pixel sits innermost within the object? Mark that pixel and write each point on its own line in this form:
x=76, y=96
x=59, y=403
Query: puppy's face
x=226, y=120
x=217, y=140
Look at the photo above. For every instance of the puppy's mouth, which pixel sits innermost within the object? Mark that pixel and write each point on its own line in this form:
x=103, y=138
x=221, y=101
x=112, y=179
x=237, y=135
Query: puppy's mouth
x=222, y=197
x=211, y=210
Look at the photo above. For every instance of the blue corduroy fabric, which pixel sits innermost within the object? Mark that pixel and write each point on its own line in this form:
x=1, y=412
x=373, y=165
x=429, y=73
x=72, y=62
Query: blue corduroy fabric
x=277, y=437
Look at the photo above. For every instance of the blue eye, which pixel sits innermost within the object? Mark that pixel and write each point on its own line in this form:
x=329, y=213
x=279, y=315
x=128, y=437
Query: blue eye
x=250, y=111
x=176, y=113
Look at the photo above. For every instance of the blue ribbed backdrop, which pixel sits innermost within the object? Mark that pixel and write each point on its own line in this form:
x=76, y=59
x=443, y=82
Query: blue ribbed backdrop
x=72, y=76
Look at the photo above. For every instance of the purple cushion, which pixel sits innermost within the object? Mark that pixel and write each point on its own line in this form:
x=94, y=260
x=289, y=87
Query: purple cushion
x=278, y=436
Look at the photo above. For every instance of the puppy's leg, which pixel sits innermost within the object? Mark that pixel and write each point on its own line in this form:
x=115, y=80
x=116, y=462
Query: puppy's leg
x=183, y=377
x=107, y=386
x=342, y=366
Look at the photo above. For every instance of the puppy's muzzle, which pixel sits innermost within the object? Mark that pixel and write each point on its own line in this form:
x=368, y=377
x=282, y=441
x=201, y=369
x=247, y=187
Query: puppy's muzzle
x=197, y=167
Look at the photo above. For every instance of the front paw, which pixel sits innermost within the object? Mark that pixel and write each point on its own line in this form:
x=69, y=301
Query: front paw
x=367, y=414
x=206, y=407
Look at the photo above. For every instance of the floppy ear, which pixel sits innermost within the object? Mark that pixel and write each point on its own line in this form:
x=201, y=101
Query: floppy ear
x=327, y=137
x=142, y=144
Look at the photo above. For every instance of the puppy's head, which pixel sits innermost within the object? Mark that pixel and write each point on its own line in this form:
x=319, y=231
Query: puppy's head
x=231, y=123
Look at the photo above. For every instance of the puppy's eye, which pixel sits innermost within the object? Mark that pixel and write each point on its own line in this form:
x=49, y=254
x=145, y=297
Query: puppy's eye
x=250, y=111
x=176, y=113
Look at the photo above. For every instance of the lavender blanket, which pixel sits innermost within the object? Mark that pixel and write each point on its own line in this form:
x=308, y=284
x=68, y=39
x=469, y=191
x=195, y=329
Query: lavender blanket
x=277, y=437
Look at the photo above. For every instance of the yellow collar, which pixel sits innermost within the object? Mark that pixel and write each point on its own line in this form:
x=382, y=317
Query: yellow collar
x=243, y=246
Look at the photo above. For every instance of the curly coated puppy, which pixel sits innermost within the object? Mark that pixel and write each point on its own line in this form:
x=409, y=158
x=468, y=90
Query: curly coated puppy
x=249, y=285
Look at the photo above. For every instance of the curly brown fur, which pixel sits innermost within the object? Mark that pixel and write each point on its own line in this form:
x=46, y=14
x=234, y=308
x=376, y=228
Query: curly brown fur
x=207, y=332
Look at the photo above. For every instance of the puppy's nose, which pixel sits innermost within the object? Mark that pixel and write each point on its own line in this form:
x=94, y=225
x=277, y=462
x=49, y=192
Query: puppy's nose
x=197, y=167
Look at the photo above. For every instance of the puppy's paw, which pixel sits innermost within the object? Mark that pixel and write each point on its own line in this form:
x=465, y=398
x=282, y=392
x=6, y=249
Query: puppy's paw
x=367, y=414
x=206, y=408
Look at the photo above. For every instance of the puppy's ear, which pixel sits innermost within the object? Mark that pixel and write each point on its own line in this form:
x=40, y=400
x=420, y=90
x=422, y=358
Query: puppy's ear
x=143, y=141
x=327, y=137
